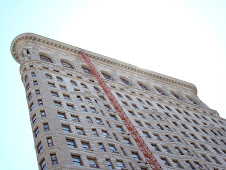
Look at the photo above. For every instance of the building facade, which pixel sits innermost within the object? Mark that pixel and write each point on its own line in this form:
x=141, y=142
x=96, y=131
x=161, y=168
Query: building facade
x=76, y=127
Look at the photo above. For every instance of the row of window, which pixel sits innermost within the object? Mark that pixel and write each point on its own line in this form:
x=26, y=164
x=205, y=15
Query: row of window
x=124, y=80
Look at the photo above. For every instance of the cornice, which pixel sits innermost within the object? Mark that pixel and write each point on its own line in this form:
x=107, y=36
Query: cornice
x=96, y=57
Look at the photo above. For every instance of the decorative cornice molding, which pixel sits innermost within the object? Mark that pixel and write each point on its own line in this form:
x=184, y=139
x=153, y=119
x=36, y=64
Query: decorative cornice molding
x=97, y=57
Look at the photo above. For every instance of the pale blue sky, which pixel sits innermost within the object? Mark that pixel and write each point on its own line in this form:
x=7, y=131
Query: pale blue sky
x=182, y=39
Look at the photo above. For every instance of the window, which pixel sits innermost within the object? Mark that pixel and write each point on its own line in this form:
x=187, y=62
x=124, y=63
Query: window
x=165, y=161
x=120, y=164
x=80, y=131
x=216, y=160
x=43, y=164
x=75, y=118
x=49, y=141
x=169, y=138
x=177, y=164
x=70, y=106
x=126, y=82
x=86, y=145
x=39, y=147
x=36, y=132
x=92, y=162
x=63, y=87
x=26, y=78
x=89, y=120
x=88, y=100
x=176, y=96
x=146, y=134
x=40, y=102
x=43, y=114
x=59, y=79
x=48, y=76
x=66, y=128
x=155, y=147
x=136, y=156
x=177, y=139
x=107, y=107
x=51, y=84
x=35, y=83
x=149, y=125
x=34, y=119
x=55, y=94
x=138, y=123
x=149, y=103
x=112, y=148
x=28, y=87
x=105, y=134
x=204, y=147
x=179, y=151
x=119, y=95
x=160, y=127
x=37, y=92
x=76, y=160
x=190, y=165
x=143, y=86
x=93, y=109
x=125, y=103
x=157, y=137
x=135, y=106
x=127, y=141
x=46, y=59
x=107, y=76
x=73, y=83
x=205, y=158
x=46, y=126
x=187, y=151
x=67, y=65
x=110, y=166
x=102, y=97
x=83, y=85
x=70, y=143
x=102, y=147
x=95, y=132
x=84, y=109
x=57, y=103
x=86, y=70
x=160, y=91
x=67, y=97
x=166, y=149
x=128, y=97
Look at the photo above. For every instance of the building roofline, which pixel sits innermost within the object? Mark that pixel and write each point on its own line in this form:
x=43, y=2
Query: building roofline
x=95, y=56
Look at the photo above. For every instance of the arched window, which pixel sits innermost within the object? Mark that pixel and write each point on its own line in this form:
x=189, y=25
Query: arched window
x=126, y=82
x=86, y=70
x=46, y=59
x=177, y=96
x=194, y=102
x=66, y=64
x=160, y=91
x=48, y=76
x=143, y=86
x=107, y=76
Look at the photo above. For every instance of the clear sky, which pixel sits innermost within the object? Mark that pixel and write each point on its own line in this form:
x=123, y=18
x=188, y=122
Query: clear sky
x=185, y=39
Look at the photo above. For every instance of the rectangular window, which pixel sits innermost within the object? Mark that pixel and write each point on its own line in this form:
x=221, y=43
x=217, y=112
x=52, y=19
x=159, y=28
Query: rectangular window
x=95, y=132
x=43, y=164
x=136, y=156
x=84, y=109
x=36, y=132
x=110, y=166
x=80, y=131
x=57, y=104
x=34, y=119
x=67, y=97
x=46, y=126
x=51, y=84
x=53, y=159
x=76, y=160
x=49, y=141
x=43, y=114
x=40, y=102
x=37, y=92
x=35, y=83
x=70, y=106
x=39, y=147
x=86, y=146
x=102, y=147
x=165, y=161
x=55, y=94
x=61, y=115
x=92, y=162
x=70, y=143
x=66, y=128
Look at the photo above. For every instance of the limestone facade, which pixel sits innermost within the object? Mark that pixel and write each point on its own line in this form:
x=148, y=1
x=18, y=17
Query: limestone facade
x=76, y=127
